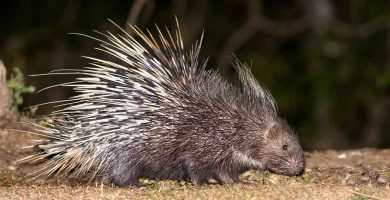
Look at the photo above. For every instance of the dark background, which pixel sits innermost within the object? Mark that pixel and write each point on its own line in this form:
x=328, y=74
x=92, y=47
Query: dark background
x=326, y=62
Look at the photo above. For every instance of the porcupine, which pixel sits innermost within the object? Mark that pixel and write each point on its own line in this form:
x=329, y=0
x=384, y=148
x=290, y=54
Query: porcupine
x=154, y=111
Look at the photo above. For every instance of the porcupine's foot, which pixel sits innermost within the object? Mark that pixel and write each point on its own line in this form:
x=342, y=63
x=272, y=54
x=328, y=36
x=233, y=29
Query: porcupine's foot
x=196, y=180
x=226, y=178
x=194, y=173
x=127, y=183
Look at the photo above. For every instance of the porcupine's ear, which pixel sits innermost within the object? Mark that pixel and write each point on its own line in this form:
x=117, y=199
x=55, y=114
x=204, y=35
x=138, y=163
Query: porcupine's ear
x=273, y=133
x=257, y=94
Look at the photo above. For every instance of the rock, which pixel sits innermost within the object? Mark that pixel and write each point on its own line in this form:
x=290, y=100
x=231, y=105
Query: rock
x=5, y=98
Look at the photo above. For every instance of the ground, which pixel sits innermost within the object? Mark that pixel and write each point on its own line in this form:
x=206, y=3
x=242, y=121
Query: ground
x=357, y=174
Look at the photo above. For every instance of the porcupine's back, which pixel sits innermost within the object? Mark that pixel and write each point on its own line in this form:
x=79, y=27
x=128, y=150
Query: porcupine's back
x=151, y=109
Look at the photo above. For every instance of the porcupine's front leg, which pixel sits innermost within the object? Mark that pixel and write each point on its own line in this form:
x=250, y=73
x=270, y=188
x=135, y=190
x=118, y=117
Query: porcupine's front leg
x=194, y=173
x=197, y=177
x=223, y=177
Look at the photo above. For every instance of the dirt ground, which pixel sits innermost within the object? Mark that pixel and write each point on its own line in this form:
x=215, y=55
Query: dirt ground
x=356, y=174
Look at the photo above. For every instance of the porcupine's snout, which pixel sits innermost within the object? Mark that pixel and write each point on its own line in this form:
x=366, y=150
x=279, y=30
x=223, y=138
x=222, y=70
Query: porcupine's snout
x=292, y=168
x=291, y=165
x=298, y=167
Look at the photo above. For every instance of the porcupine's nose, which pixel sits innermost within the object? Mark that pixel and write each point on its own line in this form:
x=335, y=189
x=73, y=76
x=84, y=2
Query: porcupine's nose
x=300, y=172
x=299, y=167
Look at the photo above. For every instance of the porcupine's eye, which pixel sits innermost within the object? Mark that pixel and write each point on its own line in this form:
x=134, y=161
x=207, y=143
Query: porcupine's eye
x=285, y=147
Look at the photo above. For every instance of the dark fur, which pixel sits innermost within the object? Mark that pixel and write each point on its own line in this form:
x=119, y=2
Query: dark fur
x=200, y=146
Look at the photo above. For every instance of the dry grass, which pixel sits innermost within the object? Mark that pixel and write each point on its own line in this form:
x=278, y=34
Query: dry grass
x=169, y=190
x=240, y=191
x=354, y=174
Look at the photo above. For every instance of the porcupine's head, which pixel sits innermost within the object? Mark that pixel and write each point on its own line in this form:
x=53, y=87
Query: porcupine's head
x=266, y=141
x=282, y=152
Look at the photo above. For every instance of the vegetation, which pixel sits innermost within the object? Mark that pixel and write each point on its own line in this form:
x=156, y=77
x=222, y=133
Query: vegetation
x=17, y=87
x=326, y=62
x=357, y=174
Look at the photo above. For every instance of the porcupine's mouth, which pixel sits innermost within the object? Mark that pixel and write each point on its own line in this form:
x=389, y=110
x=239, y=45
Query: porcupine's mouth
x=276, y=168
x=274, y=171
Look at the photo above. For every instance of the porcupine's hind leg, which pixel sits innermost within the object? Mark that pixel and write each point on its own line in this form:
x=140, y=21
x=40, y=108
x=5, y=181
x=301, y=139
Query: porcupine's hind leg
x=124, y=181
x=122, y=174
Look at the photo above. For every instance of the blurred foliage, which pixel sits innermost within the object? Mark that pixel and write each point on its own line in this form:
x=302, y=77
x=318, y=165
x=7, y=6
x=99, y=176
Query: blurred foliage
x=326, y=62
x=18, y=88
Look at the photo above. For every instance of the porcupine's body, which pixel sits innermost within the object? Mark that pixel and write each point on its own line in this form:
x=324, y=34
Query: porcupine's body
x=155, y=112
